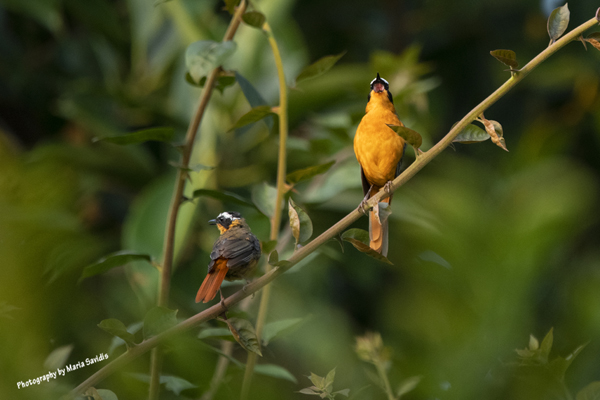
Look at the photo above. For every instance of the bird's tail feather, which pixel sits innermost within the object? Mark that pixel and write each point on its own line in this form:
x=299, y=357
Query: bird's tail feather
x=212, y=282
x=378, y=233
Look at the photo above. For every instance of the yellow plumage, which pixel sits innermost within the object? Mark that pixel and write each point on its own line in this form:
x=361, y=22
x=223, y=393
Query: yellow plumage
x=379, y=151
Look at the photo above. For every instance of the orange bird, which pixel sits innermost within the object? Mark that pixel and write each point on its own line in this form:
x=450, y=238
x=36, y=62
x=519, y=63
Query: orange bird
x=379, y=152
x=234, y=255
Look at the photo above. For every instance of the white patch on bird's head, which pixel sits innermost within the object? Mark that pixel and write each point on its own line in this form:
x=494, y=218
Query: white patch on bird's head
x=380, y=79
x=228, y=216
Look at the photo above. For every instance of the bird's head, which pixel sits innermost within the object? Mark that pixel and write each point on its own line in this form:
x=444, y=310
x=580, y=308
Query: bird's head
x=380, y=85
x=227, y=220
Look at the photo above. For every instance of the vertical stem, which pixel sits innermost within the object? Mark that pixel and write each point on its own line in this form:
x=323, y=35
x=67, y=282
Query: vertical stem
x=386, y=381
x=182, y=174
x=276, y=217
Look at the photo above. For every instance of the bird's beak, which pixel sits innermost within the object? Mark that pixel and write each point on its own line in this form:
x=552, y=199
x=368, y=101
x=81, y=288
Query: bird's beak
x=212, y=222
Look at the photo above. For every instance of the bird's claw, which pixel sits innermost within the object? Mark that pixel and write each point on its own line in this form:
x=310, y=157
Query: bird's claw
x=363, y=206
x=388, y=187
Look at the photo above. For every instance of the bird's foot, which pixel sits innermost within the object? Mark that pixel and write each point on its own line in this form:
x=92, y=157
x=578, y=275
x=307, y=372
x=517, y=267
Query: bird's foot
x=363, y=207
x=388, y=187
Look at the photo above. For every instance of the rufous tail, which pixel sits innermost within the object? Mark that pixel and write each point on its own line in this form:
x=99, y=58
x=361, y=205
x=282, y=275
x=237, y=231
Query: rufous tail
x=212, y=282
x=378, y=233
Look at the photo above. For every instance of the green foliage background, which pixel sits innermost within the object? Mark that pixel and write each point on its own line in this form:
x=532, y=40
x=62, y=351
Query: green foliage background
x=487, y=246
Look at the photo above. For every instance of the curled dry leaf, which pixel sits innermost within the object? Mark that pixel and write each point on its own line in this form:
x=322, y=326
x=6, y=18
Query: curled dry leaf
x=300, y=223
x=494, y=129
x=593, y=39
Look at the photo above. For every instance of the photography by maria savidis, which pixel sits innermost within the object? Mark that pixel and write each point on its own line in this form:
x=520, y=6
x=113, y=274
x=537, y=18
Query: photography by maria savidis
x=61, y=371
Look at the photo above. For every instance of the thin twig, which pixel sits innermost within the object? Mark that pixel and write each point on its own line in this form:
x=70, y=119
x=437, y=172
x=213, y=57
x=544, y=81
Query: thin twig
x=334, y=230
x=226, y=348
x=276, y=217
x=182, y=174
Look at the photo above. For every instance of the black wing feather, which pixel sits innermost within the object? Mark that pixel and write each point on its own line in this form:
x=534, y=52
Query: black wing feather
x=238, y=249
x=365, y=183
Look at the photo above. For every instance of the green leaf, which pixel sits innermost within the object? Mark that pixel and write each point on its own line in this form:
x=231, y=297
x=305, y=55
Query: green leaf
x=412, y=137
x=558, y=22
x=205, y=55
x=471, y=134
x=268, y=247
x=506, y=57
x=590, y=392
x=274, y=371
x=58, y=357
x=546, y=345
x=317, y=380
x=117, y=341
x=192, y=168
x=226, y=197
x=223, y=81
x=164, y=134
x=300, y=222
x=274, y=260
x=176, y=384
x=309, y=391
x=329, y=379
x=254, y=18
x=276, y=329
x=219, y=333
x=253, y=96
x=118, y=329
x=173, y=383
x=594, y=35
x=407, y=385
x=244, y=333
x=106, y=394
x=233, y=360
x=252, y=116
x=308, y=173
x=560, y=365
x=230, y=5
x=111, y=261
x=359, y=238
x=264, y=196
x=157, y=320
x=343, y=392
x=319, y=67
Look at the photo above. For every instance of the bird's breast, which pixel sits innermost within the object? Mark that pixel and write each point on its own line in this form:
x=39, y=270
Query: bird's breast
x=378, y=148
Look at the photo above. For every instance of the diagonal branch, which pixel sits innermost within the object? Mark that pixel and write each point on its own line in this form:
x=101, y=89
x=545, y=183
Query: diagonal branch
x=336, y=229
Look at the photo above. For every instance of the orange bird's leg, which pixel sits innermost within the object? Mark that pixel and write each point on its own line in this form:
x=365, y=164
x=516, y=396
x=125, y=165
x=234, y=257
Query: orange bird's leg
x=212, y=282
